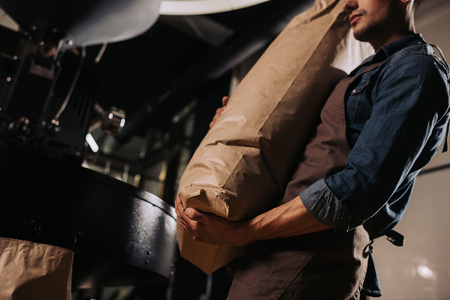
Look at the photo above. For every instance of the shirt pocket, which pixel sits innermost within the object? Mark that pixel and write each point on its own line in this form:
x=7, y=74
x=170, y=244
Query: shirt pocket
x=354, y=100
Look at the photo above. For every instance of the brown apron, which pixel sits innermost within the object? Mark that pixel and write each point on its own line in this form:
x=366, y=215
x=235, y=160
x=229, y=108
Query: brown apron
x=328, y=150
x=322, y=265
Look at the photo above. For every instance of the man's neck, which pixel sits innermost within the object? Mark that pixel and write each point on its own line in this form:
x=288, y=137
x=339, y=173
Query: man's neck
x=378, y=43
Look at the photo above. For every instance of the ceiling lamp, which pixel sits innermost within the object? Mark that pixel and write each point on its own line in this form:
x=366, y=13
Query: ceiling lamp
x=200, y=7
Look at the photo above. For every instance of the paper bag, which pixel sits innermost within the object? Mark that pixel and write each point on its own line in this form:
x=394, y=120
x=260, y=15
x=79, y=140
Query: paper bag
x=31, y=271
x=243, y=164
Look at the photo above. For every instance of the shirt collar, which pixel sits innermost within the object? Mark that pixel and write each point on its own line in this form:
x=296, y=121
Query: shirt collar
x=388, y=50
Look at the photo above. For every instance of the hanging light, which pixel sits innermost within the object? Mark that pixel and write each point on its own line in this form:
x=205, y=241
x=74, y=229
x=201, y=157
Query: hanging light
x=188, y=7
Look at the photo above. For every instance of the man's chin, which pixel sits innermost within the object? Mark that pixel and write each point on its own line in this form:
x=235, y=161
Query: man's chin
x=361, y=35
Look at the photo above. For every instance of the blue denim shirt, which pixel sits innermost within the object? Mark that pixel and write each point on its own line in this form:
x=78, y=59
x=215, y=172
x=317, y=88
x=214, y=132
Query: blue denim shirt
x=396, y=117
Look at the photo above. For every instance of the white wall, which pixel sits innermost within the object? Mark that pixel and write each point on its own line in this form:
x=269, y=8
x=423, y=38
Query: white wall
x=421, y=269
x=435, y=26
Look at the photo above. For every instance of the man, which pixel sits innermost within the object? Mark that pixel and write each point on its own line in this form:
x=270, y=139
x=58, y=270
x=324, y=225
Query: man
x=380, y=126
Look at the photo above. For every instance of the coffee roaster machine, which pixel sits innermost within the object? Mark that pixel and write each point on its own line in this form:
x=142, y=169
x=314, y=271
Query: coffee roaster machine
x=121, y=235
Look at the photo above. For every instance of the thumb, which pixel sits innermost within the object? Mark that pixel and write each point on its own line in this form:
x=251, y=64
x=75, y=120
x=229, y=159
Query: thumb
x=194, y=214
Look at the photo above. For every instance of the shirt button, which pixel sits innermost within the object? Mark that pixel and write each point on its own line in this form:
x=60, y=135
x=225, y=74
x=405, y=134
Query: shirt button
x=354, y=91
x=343, y=224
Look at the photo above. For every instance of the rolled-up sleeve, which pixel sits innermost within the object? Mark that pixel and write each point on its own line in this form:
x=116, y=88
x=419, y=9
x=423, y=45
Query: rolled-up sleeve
x=409, y=110
x=325, y=206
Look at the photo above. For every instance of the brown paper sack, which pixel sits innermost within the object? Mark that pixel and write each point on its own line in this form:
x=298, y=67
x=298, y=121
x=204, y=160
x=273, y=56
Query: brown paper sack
x=31, y=271
x=245, y=161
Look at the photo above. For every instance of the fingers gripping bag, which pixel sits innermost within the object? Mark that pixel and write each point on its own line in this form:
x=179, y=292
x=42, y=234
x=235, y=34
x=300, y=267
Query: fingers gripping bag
x=243, y=164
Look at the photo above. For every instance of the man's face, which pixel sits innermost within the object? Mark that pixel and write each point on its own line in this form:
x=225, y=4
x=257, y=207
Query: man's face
x=372, y=19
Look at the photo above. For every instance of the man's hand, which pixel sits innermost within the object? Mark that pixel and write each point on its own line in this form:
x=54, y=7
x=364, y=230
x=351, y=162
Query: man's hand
x=209, y=228
x=219, y=111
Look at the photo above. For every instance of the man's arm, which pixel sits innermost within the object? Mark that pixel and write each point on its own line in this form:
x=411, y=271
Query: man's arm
x=290, y=219
x=379, y=163
x=403, y=131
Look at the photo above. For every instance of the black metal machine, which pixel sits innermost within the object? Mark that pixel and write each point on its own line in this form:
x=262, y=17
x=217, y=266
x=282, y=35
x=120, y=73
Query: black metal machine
x=32, y=98
x=121, y=235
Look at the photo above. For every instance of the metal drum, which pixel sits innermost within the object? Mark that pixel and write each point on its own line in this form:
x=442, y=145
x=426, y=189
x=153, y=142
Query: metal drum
x=121, y=235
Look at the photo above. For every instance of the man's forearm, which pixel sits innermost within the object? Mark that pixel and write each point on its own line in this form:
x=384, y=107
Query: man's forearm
x=290, y=219
x=286, y=220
